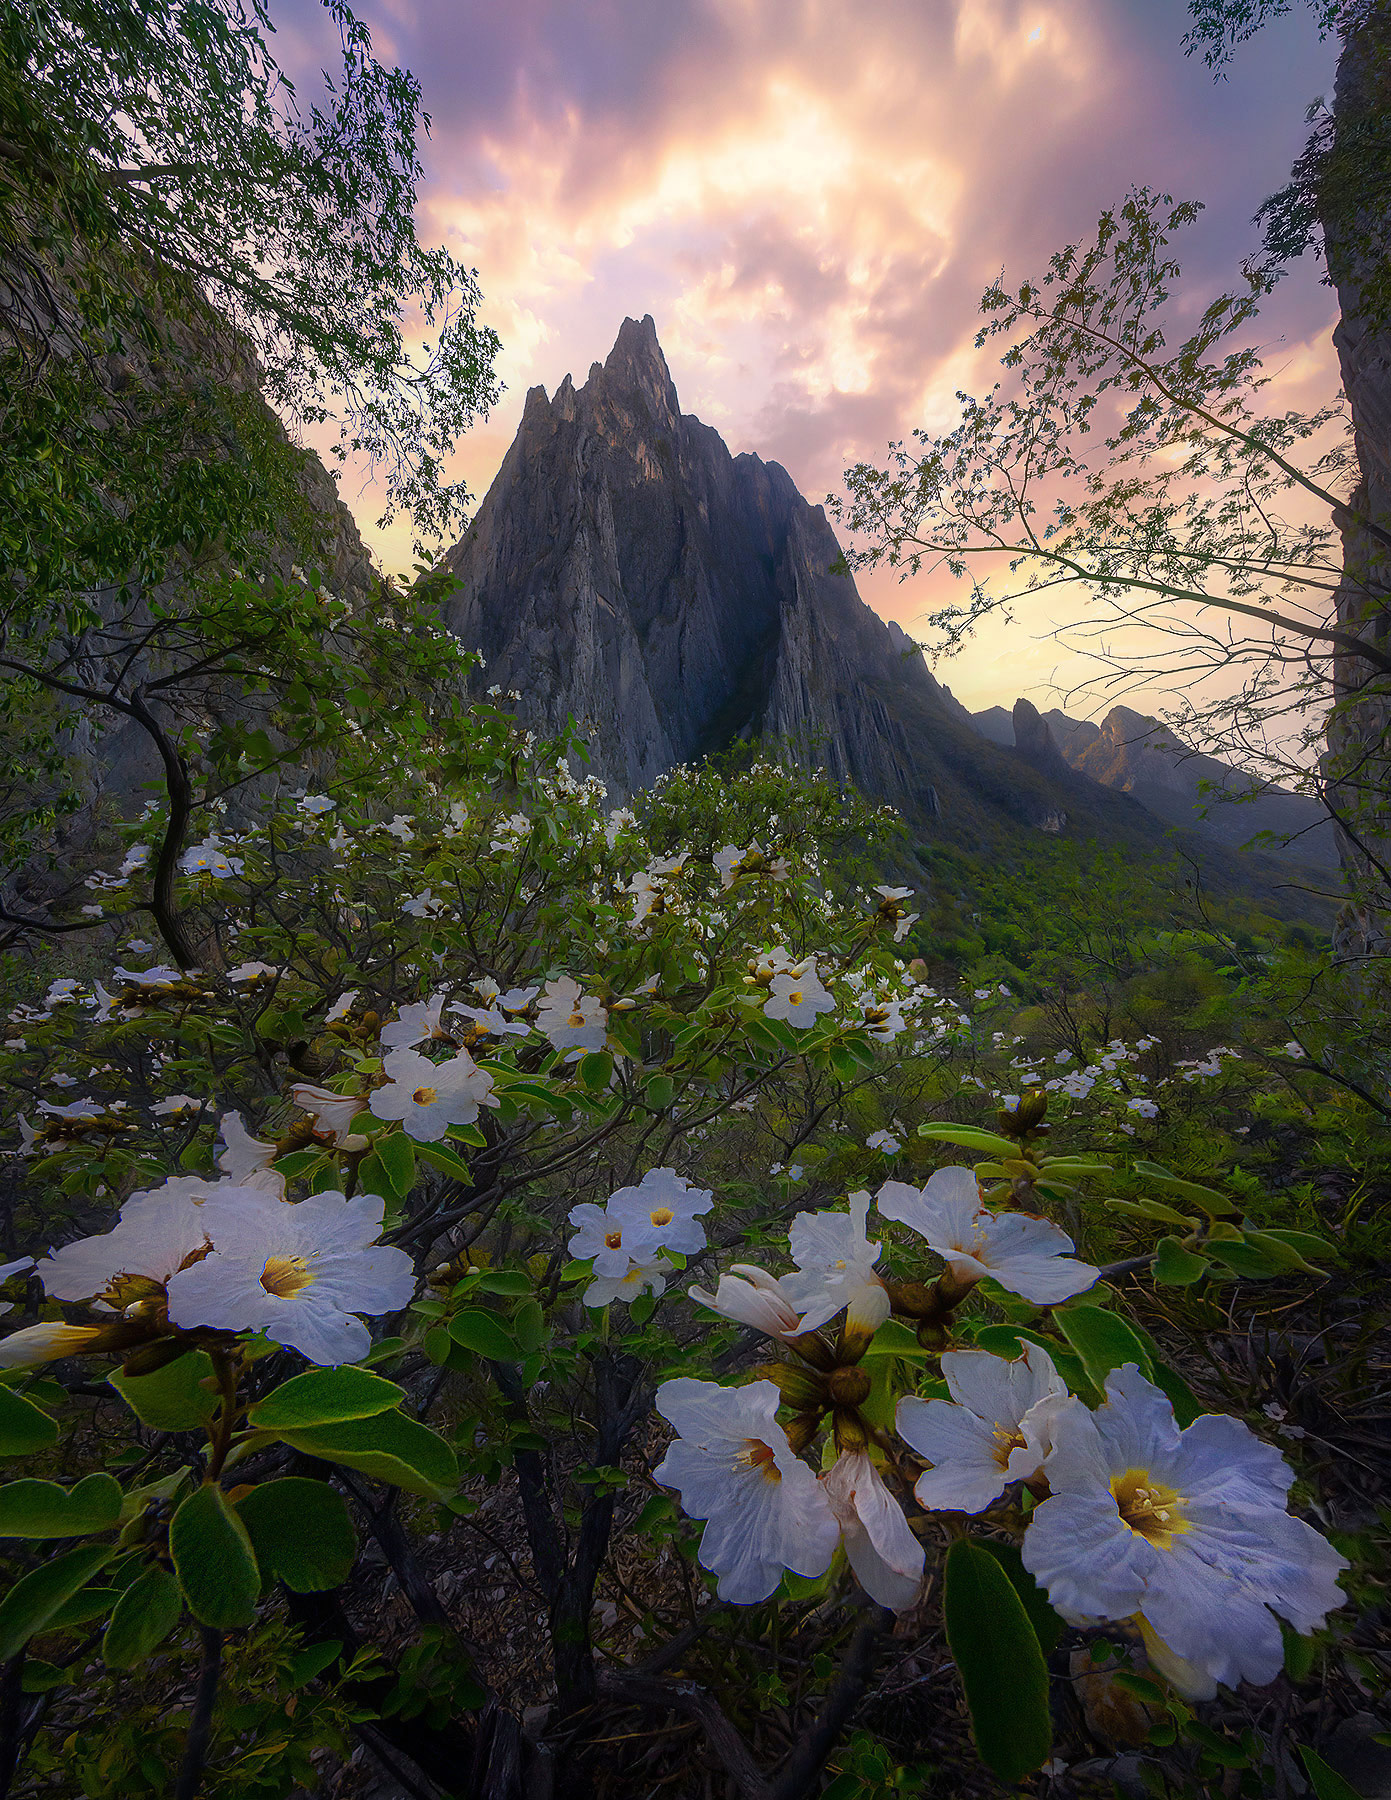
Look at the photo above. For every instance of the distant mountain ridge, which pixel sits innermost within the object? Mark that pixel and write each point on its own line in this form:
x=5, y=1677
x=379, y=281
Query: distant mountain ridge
x=1140, y=756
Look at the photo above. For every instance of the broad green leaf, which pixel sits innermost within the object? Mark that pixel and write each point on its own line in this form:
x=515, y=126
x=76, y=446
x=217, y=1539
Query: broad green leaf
x=389, y=1447
x=1102, y=1340
x=1151, y=1209
x=444, y=1159
x=1301, y=1653
x=1276, y=1248
x=1242, y=1258
x=512, y=1282
x=1327, y=1783
x=34, y=1600
x=396, y=1154
x=894, y=1338
x=971, y=1137
x=483, y=1333
x=42, y=1509
x=470, y=1134
x=1001, y=1665
x=87, y=1603
x=301, y=1533
x=145, y=1615
x=1220, y=1206
x=657, y=1092
x=172, y=1399
x=312, y=1662
x=595, y=1070
x=24, y=1428
x=529, y=1325
x=1175, y=1266
x=214, y=1560
x=1078, y=1165
x=323, y=1397
x=1181, y=1397
x=1305, y=1242
x=1048, y=1627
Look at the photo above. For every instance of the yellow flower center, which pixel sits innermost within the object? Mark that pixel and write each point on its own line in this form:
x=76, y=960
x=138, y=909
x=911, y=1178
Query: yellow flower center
x=425, y=1096
x=661, y=1215
x=613, y=1240
x=795, y=997
x=1006, y=1443
x=285, y=1275
x=758, y=1455
x=576, y=1020
x=1151, y=1508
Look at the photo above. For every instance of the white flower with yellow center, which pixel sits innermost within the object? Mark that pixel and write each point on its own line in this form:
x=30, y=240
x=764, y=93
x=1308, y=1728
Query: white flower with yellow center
x=879, y=1544
x=835, y=1268
x=796, y=995
x=299, y=1272
x=333, y=1113
x=610, y=1240
x=665, y=1205
x=1027, y=1255
x=995, y=1429
x=570, y=1019
x=733, y=1466
x=1185, y=1531
x=417, y=1022
x=429, y=1097
x=646, y=1277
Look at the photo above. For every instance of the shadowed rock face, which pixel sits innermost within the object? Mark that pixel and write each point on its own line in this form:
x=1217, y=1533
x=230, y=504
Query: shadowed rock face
x=626, y=570
x=1134, y=755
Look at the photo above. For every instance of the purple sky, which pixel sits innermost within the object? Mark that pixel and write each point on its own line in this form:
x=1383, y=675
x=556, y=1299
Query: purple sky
x=809, y=197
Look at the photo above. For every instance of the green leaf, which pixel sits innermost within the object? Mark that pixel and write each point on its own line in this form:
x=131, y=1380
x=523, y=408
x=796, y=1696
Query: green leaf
x=970, y=1137
x=396, y=1154
x=1175, y=1266
x=444, y=1159
x=1220, y=1206
x=86, y=1604
x=658, y=1091
x=301, y=1532
x=893, y=1338
x=1242, y=1258
x=323, y=1397
x=1327, y=1783
x=389, y=1447
x=1181, y=1397
x=1305, y=1242
x=1048, y=1627
x=171, y=1399
x=42, y=1509
x=1301, y=1653
x=313, y=1661
x=595, y=1070
x=512, y=1282
x=1276, y=1248
x=484, y=1334
x=1001, y=1665
x=214, y=1560
x=145, y=1615
x=23, y=1427
x=1102, y=1340
x=1150, y=1209
x=529, y=1326
x=34, y=1600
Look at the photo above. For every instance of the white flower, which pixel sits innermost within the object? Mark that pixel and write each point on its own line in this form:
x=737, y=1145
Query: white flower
x=492, y=1020
x=156, y=1234
x=425, y=905
x=341, y=1007
x=611, y=1240
x=297, y=1272
x=1295, y=1050
x=570, y=1019
x=246, y=1160
x=665, y=1204
x=1186, y=1529
x=161, y=977
x=1026, y=1255
x=136, y=858
x=885, y=1141
x=315, y=805
x=886, y=1557
x=731, y=862
x=333, y=1113
x=640, y=1278
x=733, y=1466
x=750, y=1296
x=835, y=1268
x=62, y=991
x=1146, y=1108
x=619, y=819
x=174, y=1104
x=76, y=1112
x=253, y=971
x=796, y=994
x=400, y=829
x=209, y=858
x=429, y=1097
x=417, y=1021
x=995, y=1429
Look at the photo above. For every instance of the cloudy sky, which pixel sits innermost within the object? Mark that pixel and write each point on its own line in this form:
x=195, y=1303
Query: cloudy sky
x=809, y=197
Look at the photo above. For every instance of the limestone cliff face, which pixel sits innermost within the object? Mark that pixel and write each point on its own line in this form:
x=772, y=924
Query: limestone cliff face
x=625, y=569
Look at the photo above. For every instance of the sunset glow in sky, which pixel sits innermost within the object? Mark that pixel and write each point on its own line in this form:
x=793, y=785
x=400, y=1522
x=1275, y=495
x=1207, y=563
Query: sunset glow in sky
x=809, y=197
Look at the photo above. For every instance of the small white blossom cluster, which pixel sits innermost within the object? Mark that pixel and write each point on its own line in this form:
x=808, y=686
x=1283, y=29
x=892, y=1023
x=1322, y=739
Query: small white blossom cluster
x=630, y=1239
